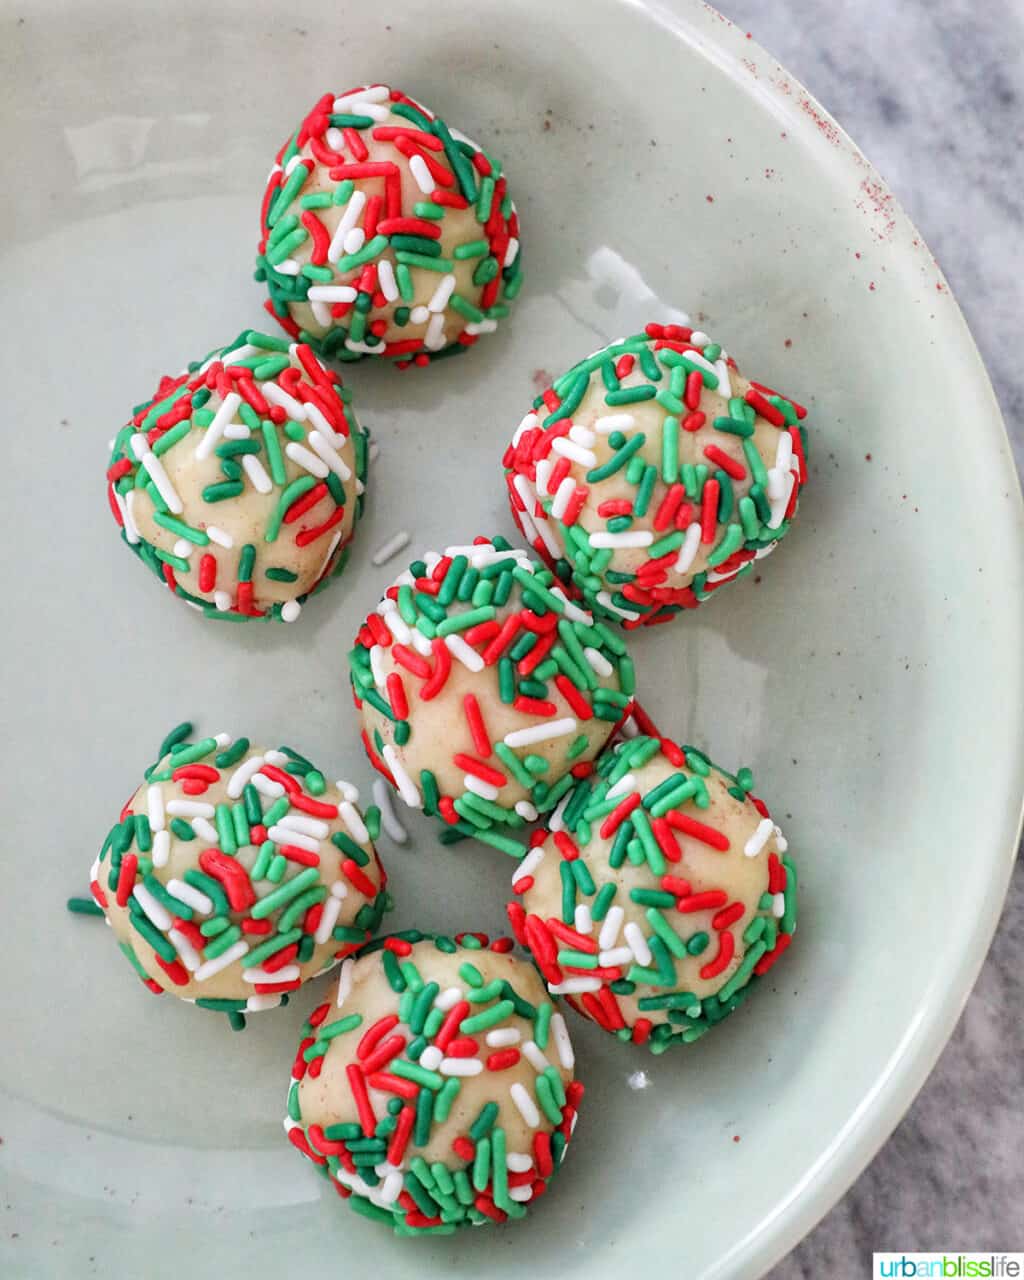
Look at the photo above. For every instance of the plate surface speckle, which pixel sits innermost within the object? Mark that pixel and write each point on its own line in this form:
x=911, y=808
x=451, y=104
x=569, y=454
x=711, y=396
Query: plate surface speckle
x=871, y=679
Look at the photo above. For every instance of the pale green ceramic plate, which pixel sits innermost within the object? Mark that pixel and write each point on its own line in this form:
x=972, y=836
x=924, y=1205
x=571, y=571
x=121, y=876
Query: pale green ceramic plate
x=873, y=679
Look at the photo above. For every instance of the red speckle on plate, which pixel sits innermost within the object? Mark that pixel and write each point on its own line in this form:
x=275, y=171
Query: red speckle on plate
x=825, y=127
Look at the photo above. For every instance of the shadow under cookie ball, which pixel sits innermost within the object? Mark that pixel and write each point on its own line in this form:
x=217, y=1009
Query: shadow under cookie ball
x=653, y=473
x=234, y=874
x=436, y=1088
x=385, y=232
x=240, y=482
x=659, y=895
x=484, y=691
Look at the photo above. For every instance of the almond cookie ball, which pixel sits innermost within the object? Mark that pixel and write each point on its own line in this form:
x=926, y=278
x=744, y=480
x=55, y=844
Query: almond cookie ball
x=659, y=895
x=654, y=472
x=484, y=690
x=240, y=482
x=234, y=874
x=384, y=232
x=435, y=1089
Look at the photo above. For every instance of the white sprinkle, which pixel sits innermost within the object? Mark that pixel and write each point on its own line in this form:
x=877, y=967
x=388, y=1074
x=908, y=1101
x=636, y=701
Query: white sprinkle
x=283, y=400
x=525, y=1105
x=575, y=986
x=604, y=597
x=277, y=758
x=218, y=536
x=349, y=814
x=281, y=834
x=362, y=98
x=326, y=451
x=518, y=1162
x=388, y=817
x=503, y=1037
x=155, y=804
x=638, y=1080
x=482, y=326
x=236, y=431
x=225, y=413
x=354, y=240
x=237, y=781
x=183, y=549
x=724, y=382
x=461, y=1067
x=562, y=1042
x=528, y=865
x=267, y=786
x=534, y=1056
x=779, y=505
x=344, y=982
x=390, y=1189
x=442, y=293
x=407, y=789
x=377, y=668
x=541, y=732
x=421, y=174
x=624, y=784
x=574, y=452
x=258, y=477
x=339, y=890
x=464, y=653
x=308, y=461
x=155, y=911
x=385, y=280
x=290, y=610
x=347, y=791
x=328, y=555
x=612, y=422
x=421, y=644
x=598, y=662
x=610, y=927
x=526, y=810
x=314, y=827
x=564, y=493
x=434, y=338
x=521, y=1195
x=160, y=479
x=233, y=953
x=331, y=293
x=763, y=833
x=628, y=538
x=511, y=252
x=190, y=809
x=419, y=315
x=205, y=830
x=617, y=956
x=288, y=267
x=191, y=896
x=556, y=822
x=161, y=848
x=448, y=998
x=431, y=1057
x=780, y=840
x=784, y=452
x=391, y=548
x=485, y=790
x=125, y=507
x=287, y=973
x=583, y=921
x=353, y=212
x=189, y=956
x=222, y=601
x=637, y=943
x=699, y=339
x=688, y=551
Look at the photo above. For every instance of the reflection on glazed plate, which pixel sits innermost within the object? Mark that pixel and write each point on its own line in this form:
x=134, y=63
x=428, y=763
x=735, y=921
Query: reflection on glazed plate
x=662, y=164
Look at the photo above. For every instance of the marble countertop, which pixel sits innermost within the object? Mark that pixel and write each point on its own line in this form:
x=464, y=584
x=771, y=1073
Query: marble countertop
x=932, y=93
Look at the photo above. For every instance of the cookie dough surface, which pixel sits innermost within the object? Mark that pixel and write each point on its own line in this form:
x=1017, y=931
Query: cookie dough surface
x=435, y=1089
x=652, y=473
x=482, y=689
x=240, y=482
x=385, y=232
x=234, y=873
x=661, y=892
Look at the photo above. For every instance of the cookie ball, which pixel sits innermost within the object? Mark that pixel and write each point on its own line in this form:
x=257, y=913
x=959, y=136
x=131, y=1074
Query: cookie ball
x=659, y=896
x=240, y=482
x=653, y=472
x=484, y=690
x=234, y=874
x=436, y=1089
x=386, y=233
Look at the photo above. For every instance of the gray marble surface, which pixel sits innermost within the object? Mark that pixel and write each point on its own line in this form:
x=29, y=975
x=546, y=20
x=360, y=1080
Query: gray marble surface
x=931, y=91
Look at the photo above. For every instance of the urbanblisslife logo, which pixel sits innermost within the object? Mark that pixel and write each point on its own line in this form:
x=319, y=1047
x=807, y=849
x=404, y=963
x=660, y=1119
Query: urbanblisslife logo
x=949, y=1266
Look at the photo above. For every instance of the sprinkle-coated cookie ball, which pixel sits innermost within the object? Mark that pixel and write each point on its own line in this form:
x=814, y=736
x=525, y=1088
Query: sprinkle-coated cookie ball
x=234, y=874
x=386, y=233
x=653, y=472
x=435, y=1089
x=660, y=893
x=240, y=482
x=484, y=690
